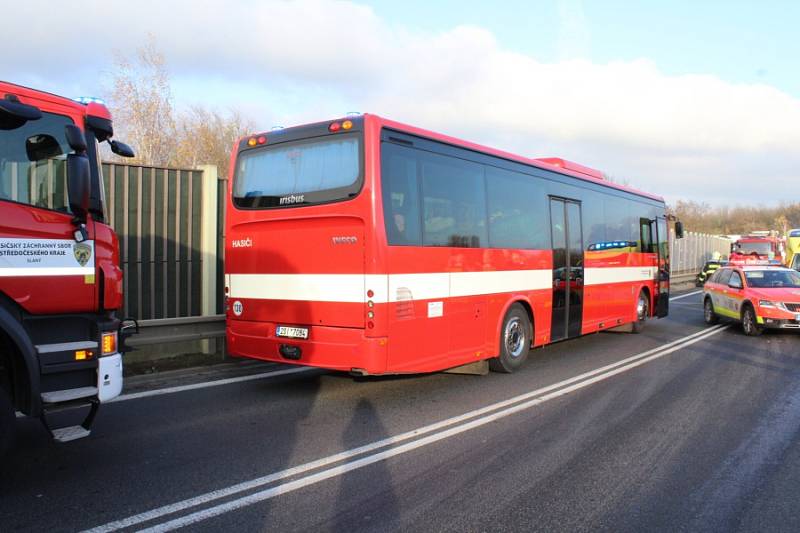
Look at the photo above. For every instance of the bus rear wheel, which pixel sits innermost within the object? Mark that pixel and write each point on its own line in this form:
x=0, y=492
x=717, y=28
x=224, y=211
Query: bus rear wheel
x=642, y=312
x=515, y=341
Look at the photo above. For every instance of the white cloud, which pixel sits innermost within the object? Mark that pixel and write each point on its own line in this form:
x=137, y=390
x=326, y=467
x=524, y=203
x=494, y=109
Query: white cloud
x=307, y=60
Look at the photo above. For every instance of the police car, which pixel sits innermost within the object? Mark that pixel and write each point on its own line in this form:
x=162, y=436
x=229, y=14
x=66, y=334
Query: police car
x=759, y=294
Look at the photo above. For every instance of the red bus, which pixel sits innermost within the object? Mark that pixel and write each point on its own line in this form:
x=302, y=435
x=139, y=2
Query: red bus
x=370, y=246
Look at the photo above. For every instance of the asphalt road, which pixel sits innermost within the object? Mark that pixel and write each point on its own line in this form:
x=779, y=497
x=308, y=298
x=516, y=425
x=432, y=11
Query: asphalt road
x=681, y=428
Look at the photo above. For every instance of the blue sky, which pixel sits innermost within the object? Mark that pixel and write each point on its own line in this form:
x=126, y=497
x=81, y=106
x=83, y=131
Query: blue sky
x=695, y=100
x=740, y=41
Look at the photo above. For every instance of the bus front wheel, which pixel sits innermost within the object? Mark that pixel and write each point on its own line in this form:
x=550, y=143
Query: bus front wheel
x=515, y=341
x=642, y=312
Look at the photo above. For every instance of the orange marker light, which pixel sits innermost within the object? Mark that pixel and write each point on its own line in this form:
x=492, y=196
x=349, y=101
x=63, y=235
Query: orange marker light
x=347, y=124
x=83, y=355
x=109, y=343
x=251, y=141
x=335, y=127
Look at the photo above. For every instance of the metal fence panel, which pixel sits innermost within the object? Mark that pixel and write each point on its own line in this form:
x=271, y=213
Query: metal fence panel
x=155, y=213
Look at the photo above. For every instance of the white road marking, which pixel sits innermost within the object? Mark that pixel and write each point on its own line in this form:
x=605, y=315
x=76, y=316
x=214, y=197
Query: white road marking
x=471, y=420
x=206, y=384
x=684, y=295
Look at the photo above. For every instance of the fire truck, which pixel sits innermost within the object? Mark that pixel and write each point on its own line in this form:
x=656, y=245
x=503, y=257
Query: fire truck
x=758, y=246
x=60, y=281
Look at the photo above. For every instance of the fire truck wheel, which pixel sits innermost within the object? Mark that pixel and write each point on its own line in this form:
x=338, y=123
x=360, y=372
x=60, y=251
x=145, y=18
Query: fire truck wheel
x=515, y=341
x=642, y=312
x=7, y=422
x=749, y=323
x=709, y=315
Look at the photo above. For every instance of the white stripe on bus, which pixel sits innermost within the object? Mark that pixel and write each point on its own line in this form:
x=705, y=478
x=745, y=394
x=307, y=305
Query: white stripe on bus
x=352, y=288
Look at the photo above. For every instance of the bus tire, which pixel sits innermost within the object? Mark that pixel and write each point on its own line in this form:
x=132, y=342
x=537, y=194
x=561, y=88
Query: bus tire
x=749, y=322
x=7, y=423
x=642, y=312
x=709, y=315
x=515, y=341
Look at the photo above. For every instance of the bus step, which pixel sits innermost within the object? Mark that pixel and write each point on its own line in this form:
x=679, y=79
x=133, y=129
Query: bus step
x=70, y=433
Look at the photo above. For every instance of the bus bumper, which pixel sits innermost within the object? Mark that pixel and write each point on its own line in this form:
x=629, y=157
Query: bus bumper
x=335, y=348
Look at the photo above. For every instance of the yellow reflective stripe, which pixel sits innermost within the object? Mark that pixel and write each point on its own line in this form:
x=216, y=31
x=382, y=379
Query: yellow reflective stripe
x=726, y=312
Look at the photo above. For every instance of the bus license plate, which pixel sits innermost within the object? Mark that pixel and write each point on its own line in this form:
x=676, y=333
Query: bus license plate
x=293, y=333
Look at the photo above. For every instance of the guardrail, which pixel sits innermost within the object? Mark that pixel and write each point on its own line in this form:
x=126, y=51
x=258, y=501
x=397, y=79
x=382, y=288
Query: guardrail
x=195, y=328
x=183, y=329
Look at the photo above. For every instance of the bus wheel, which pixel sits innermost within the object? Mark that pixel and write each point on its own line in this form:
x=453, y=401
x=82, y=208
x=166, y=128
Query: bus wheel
x=7, y=422
x=749, y=323
x=642, y=312
x=709, y=315
x=515, y=341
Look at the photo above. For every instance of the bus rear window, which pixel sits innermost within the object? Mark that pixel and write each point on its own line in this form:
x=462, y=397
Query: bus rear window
x=296, y=173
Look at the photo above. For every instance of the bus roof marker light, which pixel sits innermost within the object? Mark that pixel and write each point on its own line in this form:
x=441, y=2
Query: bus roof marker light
x=334, y=127
x=251, y=141
x=347, y=124
x=262, y=139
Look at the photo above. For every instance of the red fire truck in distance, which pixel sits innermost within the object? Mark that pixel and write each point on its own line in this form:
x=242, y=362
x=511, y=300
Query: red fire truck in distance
x=60, y=280
x=756, y=248
x=370, y=246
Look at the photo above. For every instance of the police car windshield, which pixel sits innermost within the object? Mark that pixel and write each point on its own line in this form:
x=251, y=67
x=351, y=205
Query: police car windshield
x=770, y=279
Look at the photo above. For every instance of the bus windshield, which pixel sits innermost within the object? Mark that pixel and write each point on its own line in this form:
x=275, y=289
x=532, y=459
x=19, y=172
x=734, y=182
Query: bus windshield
x=303, y=172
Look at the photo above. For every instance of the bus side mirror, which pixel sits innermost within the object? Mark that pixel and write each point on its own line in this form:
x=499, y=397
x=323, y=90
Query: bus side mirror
x=78, y=182
x=679, y=229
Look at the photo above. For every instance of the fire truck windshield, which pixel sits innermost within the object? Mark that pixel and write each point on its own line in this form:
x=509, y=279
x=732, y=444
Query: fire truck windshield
x=760, y=248
x=297, y=173
x=33, y=162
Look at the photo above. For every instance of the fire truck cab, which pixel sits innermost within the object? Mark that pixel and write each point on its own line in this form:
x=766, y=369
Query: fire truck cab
x=60, y=281
x=765, y=247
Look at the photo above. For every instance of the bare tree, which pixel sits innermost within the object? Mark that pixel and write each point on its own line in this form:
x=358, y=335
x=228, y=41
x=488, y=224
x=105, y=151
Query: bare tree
x=141, y=102
x=206, y=137
x=143, y=112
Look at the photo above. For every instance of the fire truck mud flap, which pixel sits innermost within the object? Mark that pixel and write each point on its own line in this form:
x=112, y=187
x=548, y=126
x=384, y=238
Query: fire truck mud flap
x=109, y=377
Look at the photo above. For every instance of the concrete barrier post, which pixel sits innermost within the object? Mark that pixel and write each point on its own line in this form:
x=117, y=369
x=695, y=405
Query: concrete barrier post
x=208, y=248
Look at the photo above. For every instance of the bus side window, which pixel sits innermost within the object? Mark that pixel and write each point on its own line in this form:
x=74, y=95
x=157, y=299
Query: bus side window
x=400, y=196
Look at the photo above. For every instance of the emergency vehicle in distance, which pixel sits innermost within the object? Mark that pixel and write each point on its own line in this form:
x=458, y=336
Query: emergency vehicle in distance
x=793, y=249
x=369, y=246
x=60, y=280
x=759, y=295
x=758, y=246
